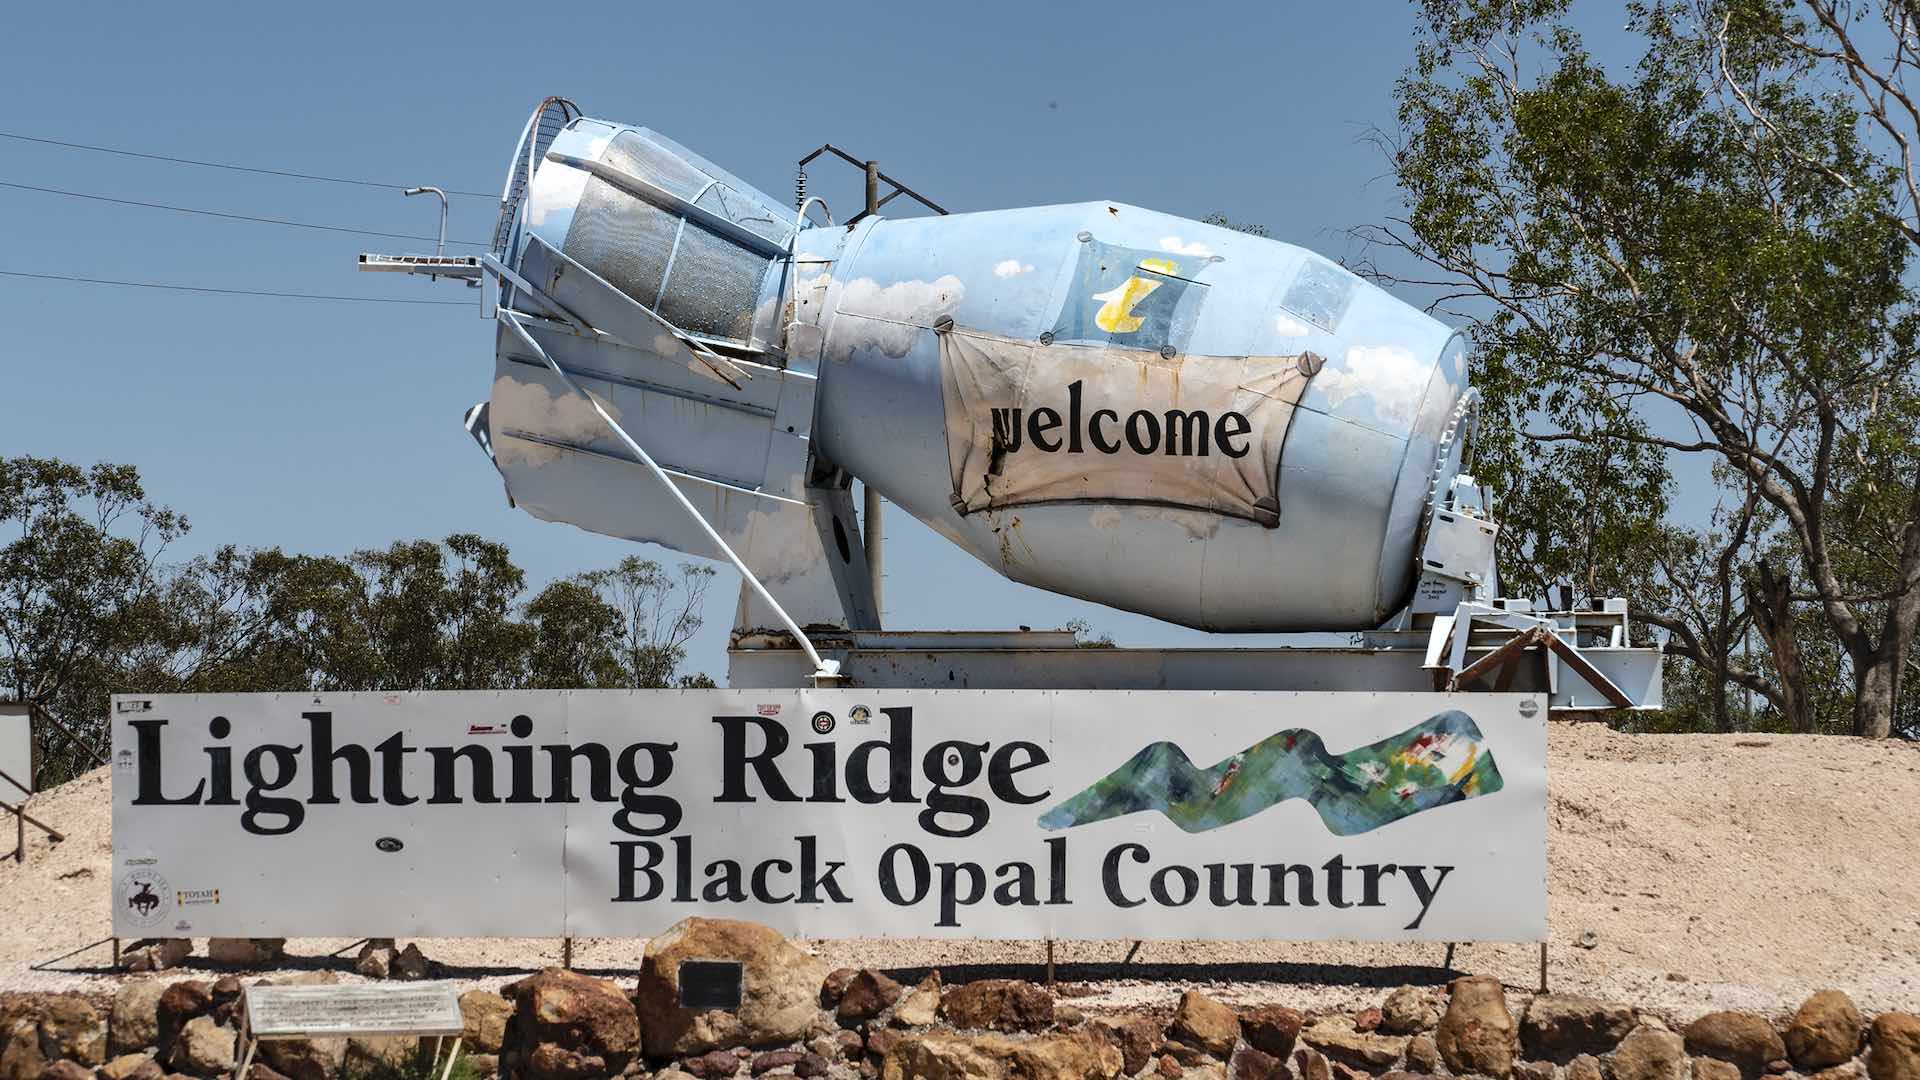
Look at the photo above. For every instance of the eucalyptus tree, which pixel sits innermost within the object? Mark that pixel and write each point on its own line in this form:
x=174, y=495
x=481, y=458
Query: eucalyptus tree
x=1699, y=257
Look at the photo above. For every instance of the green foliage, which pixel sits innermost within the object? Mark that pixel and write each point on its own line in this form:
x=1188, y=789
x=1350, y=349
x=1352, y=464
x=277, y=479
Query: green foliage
x=1086, y=637
x=1701, y=254
x=90, y=607
x=1248, y=227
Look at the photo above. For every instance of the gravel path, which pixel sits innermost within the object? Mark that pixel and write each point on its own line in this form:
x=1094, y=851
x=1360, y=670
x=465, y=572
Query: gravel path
x=1711, y=871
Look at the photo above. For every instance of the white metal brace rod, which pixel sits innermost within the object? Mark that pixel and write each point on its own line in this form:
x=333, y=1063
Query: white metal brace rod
x=820, y=666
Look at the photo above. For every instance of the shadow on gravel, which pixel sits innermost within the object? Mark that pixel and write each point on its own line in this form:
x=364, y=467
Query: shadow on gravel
x=1313, y=974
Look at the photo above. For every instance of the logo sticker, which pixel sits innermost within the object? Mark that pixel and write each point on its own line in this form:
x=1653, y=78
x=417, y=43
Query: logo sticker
x=822, y=723
x=146, y=898
x=859, y=714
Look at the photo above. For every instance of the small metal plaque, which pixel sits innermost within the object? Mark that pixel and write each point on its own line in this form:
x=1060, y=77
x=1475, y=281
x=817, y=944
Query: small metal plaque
x=283, y=1012
x=711, y=984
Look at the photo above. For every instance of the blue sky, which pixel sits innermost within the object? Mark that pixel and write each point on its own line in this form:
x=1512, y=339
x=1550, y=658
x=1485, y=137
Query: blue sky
x=327, y=427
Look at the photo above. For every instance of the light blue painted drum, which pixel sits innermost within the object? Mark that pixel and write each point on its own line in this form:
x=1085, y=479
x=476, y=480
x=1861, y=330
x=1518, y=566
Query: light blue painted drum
x=1214, y=323
x=1211, y=428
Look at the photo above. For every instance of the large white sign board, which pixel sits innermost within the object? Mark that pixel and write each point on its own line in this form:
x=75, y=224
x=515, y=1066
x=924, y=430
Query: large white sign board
x=844, y=813
x=16, y=750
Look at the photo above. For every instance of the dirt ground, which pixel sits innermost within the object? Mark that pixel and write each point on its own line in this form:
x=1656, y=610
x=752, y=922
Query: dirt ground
x=1687, y=873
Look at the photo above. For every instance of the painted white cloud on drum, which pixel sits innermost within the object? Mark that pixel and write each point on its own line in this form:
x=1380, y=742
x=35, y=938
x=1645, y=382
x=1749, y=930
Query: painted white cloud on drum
x=529, y=407
x=1180, y=247
x=1012, y=268
x=893, y=314
x=1287, y=326
x=1389, y=375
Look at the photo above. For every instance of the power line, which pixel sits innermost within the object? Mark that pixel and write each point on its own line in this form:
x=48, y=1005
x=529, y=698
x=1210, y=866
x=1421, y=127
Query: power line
x=232, y=217
x=225, y=165
x=228, y=292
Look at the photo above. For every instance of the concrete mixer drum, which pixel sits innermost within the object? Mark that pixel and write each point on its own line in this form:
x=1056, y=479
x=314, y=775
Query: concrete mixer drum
x=1207, y=427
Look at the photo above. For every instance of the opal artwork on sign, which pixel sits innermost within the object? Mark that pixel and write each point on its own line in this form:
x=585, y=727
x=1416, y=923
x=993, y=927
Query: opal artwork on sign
x=1441, y=760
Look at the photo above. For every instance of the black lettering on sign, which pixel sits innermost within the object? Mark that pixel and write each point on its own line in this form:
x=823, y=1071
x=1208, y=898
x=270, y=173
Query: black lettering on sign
x=1174, y=433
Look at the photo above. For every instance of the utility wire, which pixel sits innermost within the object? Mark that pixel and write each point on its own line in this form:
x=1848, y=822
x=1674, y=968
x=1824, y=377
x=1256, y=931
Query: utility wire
x=224, y=165
x=229, y=292
x=232, y=217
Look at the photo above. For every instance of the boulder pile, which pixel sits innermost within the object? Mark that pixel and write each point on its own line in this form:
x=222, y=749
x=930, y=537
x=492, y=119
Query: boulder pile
x=796, y=1019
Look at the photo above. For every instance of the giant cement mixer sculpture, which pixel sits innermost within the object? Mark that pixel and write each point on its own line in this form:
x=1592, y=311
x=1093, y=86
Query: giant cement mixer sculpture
x=1211, y=428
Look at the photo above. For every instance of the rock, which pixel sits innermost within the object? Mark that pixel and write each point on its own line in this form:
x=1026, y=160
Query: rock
x=1136, y=1037
x=1648, y=1053
x=203, y=1048
x=1476, y=1033
x=1082, y=1055
x=1850, y=1070
x=1205, y=1023
x=1251, y=1064
x=257, y=1071
x=998, y=1005
x=1825, y=1031
x=812, y=1065
x=251, y=953
x=179, y=1003
x=1584, y=1067
x=151, y=954
x=483, y=1016
x=782, y=988
x=370, y=1055
x=851, y=1045
x=566, y=1026
x=1706, y=1068
x=1335, y=1037
x=1067, y=1017
x=834, y=985
x=411, y=963
x=66, y=1070
x=921, y=1005
x=1561, y=1027
x=1743, y=1039
x=375, y=959
x=1368, y=1020
x=1423, y=1055
x=130, y=1066
x=713, y=1064
x=880, y=1042
x=1894, y=1042
x=71, y=1030
x=774, y=1059
x=1311, y=1065
x=134, y=1022
x=20, y=1056
x=1533, y=1070
x=1189, y=1056
x=867, y=995
x=1271, y=1029
x=305, y=1059
x=482, y=1066
x=1408, y=1011
x=1347, y=1072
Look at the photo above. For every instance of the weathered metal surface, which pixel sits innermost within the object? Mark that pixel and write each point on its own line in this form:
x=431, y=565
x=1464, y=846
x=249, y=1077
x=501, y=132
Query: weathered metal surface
x=1377, y=662
x=1298, y=507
